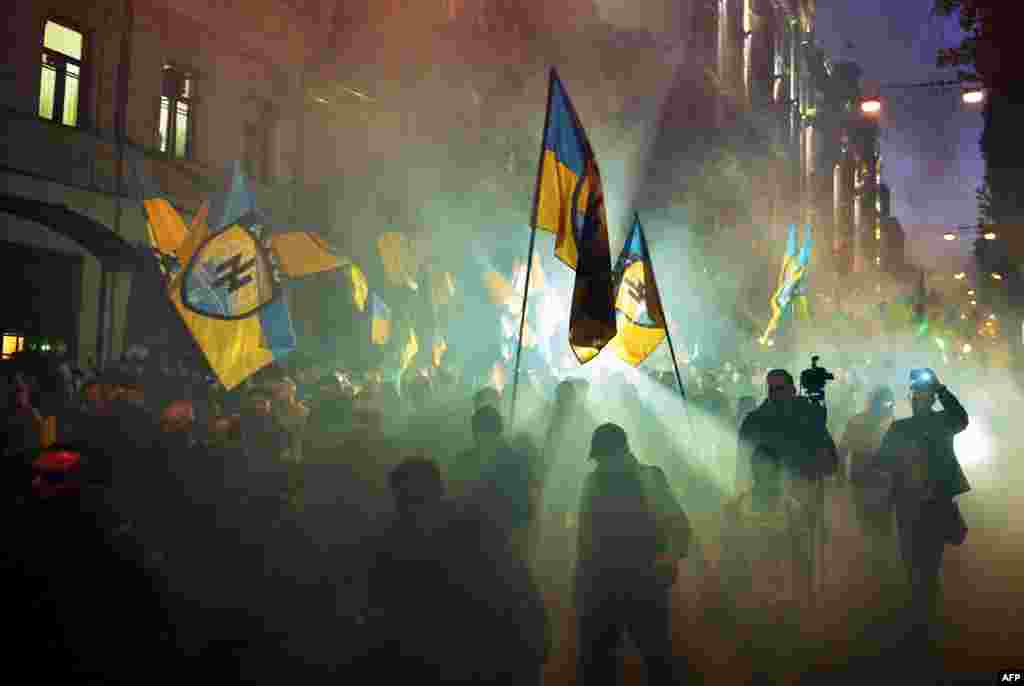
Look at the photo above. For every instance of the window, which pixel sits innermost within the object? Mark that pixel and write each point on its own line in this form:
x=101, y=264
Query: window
x=12, y=344
x=61, y=77
x=177, y=104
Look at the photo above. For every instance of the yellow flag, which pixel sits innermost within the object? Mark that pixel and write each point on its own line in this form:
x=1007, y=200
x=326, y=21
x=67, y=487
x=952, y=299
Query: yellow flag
x=197, y=233
x=499, y=289
x=440, y=348
x=234, y=349
x=360, y=287
x=410, y=350
x=400, y=265
x=442, y=288
x=640, y=316
x=301, y=253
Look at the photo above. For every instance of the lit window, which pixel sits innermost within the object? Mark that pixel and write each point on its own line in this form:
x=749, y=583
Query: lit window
x=60, y=79
x=12, y=344
x=176, y=109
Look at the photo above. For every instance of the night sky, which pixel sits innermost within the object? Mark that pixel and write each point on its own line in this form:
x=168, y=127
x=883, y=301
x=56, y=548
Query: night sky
x=931, y=158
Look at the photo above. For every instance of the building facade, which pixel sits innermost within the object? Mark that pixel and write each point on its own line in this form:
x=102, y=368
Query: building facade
x=188, y=85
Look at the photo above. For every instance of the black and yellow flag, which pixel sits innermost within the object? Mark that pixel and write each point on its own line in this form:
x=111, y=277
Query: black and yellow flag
x=641, y=318
x=570, y=203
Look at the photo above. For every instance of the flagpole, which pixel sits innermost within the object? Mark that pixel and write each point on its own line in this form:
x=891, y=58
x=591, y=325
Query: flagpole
x=529, y=252
x=668, y=334
x=522, y=325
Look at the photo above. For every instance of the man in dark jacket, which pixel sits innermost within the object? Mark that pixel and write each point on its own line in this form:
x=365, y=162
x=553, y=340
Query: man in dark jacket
x=918, y=451
x=632, y=533
x=794, y=429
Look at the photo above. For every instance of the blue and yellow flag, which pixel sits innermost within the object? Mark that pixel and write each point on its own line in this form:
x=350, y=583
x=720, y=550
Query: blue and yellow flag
x=569, y=183
x=790, y=277
x=380, y=320
x=228, y=293
x=641, y=318
x=164, y=225
x=801, y=306
x=570, y=203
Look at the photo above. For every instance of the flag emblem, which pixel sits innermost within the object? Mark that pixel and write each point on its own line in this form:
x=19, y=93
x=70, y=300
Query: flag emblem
x=231, y=276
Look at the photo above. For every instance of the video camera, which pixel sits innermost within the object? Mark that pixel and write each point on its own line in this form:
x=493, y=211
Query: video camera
x=813, y=380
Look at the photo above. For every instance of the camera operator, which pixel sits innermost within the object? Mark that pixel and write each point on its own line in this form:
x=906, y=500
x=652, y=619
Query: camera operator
x=926, y=476
x=793, y=428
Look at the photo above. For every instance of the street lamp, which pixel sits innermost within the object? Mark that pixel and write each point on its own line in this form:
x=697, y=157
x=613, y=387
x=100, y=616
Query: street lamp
x=973, y=96
x=870, y=106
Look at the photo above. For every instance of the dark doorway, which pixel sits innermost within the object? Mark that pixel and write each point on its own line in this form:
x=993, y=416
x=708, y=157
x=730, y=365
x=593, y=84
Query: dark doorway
x=41, y=293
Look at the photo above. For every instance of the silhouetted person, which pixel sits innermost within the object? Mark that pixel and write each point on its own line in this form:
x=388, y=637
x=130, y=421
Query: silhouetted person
x=765, y=537
x=632, y=533
x=927, y=476
x=469, y=466
x=409, y=593
x=870, y=484
x=487, y=397
x=794, y=429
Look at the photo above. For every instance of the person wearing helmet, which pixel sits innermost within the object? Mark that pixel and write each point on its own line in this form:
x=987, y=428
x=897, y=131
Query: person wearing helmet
x=632, y=533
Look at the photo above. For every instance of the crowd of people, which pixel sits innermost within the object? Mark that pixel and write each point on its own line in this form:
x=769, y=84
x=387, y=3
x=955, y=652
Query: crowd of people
x=308, y=523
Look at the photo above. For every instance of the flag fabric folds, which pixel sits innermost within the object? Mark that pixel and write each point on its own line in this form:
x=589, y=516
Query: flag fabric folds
x=442, y=288
x=791, y=275
x=440, y=348
x=360, y=287
x=410, y=350
x=228, y=293
x=569, y=202
x=165, y=226
x=399, y=258
x=301, y=253
x=641, y=318
x=569, y=184
x=380, y=320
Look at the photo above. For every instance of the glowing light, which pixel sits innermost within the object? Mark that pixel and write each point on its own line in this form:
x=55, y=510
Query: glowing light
x=960, y=276
x=974, y=302
x=871, y=106
x=970, y=292
x=990, y=236
x=949, y=236
x=992, y=316
x=967, y=348
x=974, y=96
x=974, y=445
x=997, y=276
